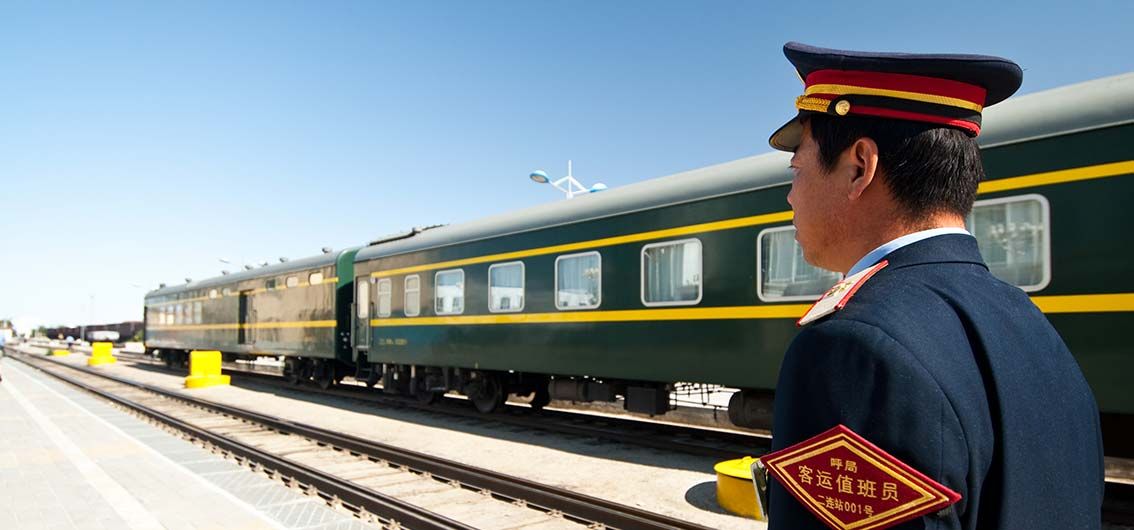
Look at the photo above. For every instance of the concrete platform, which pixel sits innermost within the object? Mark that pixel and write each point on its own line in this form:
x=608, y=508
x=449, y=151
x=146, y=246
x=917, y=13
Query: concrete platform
x=70, y=460
x=677, y=485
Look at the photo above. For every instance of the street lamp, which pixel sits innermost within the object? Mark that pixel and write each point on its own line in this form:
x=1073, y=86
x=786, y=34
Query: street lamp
x=567, y=185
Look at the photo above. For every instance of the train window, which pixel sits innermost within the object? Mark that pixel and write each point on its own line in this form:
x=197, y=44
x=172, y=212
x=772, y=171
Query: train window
x=213, y=293
x=179, y=314
x=385, y=293
x=449, y=292
x=782, y=274
x=197, y=313
x=412, y=305
x=362, y=301
x=1014, y=238
x=292, y=281
x=506, y=287
x=316, y=278
x=671, y=273
x=227, y=291
x=270, y=284
x=578, y=281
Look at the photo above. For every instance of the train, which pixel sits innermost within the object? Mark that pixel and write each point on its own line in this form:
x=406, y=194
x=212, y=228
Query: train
x=694, y=277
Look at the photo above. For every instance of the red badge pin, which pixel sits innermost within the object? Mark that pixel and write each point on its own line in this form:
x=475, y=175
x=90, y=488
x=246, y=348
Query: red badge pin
x=850, y=483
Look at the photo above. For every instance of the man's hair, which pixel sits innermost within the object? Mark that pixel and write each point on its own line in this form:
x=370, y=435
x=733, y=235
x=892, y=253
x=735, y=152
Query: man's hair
x=929, y=169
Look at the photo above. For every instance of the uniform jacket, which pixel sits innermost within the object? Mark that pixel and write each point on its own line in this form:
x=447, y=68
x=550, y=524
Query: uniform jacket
x=959, y=375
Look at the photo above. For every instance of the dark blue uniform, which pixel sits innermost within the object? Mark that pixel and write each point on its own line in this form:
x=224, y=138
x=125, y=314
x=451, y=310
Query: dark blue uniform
x=960, y=376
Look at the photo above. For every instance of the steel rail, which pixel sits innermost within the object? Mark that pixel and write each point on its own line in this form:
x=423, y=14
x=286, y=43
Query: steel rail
x=753, y=444
x=548, y=420
x=571, y=504
x=379, y=504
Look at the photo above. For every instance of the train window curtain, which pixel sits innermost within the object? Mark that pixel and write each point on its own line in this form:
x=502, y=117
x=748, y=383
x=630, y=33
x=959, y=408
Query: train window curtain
x=1012, y=234
x=506, y=287
x=449, y=289
x=578, y=281
x=784, y=274
x=671, y=273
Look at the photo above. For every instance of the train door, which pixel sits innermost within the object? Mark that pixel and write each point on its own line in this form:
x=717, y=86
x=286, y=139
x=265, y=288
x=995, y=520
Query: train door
x=247, y=316
x=361, y=315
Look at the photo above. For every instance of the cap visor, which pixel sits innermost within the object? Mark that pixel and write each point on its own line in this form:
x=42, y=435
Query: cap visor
x=788, y=137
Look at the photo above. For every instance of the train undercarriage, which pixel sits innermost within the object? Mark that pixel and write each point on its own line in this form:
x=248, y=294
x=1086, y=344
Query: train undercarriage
x=486, y=389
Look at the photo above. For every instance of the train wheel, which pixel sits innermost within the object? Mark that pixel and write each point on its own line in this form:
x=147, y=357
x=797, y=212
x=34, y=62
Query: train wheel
x=293, y=371
x=324, y=374
x=540, y=398
x=427, y=397
x=423, y=394
x=487, y=394
x=374, y=376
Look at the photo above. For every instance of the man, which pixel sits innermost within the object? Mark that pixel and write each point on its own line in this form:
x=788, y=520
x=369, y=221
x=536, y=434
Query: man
x=922, y=352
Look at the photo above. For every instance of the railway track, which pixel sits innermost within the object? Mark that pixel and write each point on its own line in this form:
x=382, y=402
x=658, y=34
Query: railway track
x=1118, y=506
x=714, y=443
x=390, y=485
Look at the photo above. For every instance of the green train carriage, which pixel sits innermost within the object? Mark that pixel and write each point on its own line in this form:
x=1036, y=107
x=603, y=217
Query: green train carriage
x=298, y=309
x=696, y=277
x=1049, y=219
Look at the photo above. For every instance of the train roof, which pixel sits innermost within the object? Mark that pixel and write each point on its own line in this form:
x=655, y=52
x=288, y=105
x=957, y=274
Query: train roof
x=1067, y=109
x=1073, y=108
x=721, y=179
x=276, y=269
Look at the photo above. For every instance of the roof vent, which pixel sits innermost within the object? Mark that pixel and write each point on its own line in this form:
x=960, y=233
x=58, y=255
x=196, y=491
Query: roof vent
x=327, y=250
x=249, y=267
x=161, y=286
x=224, y=273
x=188, y=280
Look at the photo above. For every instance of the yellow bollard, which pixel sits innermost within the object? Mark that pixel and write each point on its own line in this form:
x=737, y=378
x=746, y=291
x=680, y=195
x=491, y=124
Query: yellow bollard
x=60, y=353
x=205, y=369
x=735, y=492
x=101, y=353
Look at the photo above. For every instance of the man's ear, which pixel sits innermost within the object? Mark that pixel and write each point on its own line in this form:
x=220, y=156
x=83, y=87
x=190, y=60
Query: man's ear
x=863, y=154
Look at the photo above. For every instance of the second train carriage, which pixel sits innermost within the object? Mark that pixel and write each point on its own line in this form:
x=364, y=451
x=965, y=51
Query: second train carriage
x=696, y=277
x=298, y=309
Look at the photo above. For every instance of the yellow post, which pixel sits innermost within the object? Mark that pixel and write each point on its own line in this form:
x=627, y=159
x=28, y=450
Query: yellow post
x=60, y=353
x=205, y=369
x=101, y=353
x=735, y=491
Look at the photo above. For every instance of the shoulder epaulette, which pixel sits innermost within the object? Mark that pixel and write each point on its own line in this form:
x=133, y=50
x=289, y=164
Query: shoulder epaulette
x=838, y=295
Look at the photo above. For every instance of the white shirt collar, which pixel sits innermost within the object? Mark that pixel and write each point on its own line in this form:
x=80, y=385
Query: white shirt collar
x=876, y=255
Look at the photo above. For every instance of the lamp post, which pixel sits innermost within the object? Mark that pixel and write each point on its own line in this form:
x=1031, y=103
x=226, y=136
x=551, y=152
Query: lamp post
x=567, y=185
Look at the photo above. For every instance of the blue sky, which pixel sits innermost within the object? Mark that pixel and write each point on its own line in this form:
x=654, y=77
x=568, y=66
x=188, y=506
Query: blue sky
x=141, y=141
